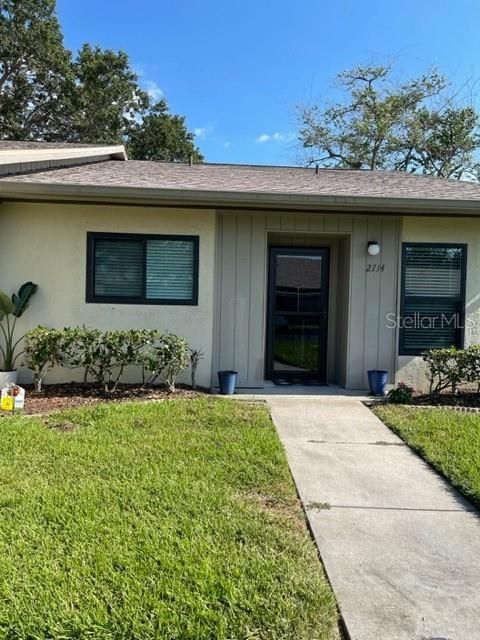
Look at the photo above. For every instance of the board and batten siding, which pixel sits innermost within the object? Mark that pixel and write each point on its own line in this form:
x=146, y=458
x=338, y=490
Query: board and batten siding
x=363, y=299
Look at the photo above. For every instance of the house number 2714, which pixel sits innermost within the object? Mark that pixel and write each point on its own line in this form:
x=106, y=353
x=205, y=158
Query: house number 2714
x=375, y=267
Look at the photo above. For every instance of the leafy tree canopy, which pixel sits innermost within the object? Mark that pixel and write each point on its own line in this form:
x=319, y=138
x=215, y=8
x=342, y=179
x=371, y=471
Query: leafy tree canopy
x=162, y=136
x=94, y=97
x=414, y=126
x=106, y=96
x=35, y=70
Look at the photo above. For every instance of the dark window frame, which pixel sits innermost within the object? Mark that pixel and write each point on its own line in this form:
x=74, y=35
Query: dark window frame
x=460, y=300
x=93, y=236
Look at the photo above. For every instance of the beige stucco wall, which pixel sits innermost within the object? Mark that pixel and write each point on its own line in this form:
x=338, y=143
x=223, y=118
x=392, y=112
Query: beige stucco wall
x=410, y=369
x=46, y=243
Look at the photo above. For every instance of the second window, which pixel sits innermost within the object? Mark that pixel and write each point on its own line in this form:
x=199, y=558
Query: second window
x=433, y=297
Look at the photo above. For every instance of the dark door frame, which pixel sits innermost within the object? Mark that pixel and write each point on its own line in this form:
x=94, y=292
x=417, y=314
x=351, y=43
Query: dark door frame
x=321, y=373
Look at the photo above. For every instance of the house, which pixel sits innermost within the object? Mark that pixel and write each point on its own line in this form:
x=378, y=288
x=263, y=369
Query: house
x=284, y=274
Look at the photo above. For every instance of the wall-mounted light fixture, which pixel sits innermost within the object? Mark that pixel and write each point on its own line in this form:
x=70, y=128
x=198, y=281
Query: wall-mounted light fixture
x=373, y=248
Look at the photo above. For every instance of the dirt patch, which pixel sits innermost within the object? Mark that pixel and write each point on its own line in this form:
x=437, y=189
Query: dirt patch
x=57, y=397
x=60, y=425
x=272, y=505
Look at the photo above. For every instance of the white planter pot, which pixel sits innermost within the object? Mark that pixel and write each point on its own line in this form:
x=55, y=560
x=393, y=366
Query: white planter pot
x=8, y=377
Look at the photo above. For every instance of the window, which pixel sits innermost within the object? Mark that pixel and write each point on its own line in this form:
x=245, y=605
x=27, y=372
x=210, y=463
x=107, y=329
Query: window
x=433, y=297
x=142, y=269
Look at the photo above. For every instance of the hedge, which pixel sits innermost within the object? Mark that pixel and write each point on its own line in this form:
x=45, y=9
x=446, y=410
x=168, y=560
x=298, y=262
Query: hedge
x=104, y=355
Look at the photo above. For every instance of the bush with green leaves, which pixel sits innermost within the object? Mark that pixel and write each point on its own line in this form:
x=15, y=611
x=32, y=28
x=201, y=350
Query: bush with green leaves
x=452, y=367
x=401, y=394
x=166, y=359
x=446, y=368
x=78, y=348
x=104, y=355
x=41, y=352
x=471, y=365
x=112, y=352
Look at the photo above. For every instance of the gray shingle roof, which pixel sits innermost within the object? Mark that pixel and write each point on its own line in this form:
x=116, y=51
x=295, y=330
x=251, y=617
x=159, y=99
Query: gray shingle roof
x=246, y=179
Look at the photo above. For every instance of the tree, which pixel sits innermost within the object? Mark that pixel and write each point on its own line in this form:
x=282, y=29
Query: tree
x=162, y=136
x=94, y=98
x=397, y=127
x=106, y=96
x=444, y=143
x=34, y=71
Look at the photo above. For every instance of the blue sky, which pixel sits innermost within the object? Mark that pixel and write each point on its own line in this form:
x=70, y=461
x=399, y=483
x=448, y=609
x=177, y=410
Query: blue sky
x=238, y=69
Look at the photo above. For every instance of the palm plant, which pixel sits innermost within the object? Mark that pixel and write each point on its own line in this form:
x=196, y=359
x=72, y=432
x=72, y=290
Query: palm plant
x=12, y=308
x=195, y=356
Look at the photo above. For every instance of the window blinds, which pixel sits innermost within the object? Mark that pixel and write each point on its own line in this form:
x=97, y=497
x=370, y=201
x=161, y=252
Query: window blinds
x=118, y=268
x=432, y=297
x=169, y=269
x=141, y=269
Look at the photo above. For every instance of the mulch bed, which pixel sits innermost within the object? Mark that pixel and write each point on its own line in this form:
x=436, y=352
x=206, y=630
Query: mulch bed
x=56, y=397
x=463, y=401
x=449, y=399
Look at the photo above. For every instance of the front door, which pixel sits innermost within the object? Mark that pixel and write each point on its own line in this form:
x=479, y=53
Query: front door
x=297, y=315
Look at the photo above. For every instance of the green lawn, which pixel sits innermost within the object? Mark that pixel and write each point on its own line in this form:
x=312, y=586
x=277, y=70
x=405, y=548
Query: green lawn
x=449, y=440
x=298, y=353
x=173, y=520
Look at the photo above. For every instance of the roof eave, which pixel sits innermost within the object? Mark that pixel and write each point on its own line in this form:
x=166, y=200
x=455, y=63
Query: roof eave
x=18, y=161
x=15, y=156
x=10, y=189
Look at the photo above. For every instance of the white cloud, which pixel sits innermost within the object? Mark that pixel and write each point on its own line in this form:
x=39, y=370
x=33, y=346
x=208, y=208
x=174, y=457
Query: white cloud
x=276, y=137
x=200, y=132
x=226, y=144
x=153, y=90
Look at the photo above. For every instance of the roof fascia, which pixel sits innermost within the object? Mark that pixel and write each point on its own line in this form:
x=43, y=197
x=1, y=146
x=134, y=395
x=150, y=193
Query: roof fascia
x=10, y=189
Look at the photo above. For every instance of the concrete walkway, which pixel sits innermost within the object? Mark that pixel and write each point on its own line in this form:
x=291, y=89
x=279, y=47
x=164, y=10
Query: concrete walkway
x=400, y=547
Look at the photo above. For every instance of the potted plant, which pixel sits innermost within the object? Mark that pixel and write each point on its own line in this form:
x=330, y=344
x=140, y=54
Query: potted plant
x=10, y=310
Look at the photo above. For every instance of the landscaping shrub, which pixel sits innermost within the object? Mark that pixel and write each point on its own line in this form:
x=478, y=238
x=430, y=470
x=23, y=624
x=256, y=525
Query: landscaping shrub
x=77, y=346
x=174, y=350
x=445, y=369
x=104, y=355
x=401, y=394
x=109, y=352
x=166, y=358
x=449, y=368
x=41, y=352
x=472, y=365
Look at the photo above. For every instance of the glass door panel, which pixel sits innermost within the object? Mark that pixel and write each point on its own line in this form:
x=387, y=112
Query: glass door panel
x=298, y=311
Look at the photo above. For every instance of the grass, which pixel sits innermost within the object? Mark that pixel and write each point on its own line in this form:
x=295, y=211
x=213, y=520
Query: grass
x=297, y=353
x=449, y=440
x=172, y=520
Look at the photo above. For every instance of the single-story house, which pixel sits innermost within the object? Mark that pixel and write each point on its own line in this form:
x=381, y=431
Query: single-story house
x=283, y=274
